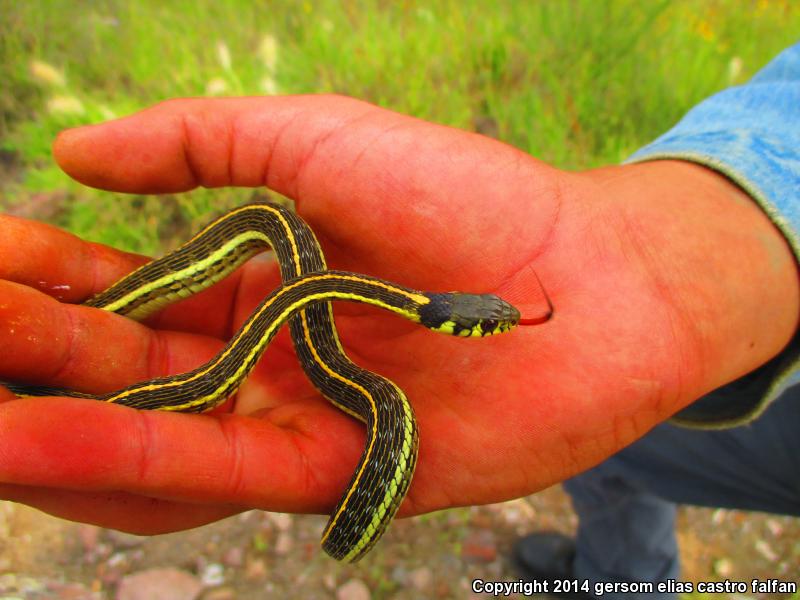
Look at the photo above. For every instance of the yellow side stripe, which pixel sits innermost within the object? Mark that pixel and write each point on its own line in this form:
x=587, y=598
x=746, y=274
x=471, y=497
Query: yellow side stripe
x=192, y=270
x=274, y=325
x=390, y=493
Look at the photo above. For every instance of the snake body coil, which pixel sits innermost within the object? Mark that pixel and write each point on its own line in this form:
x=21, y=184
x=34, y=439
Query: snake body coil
x=385, y=469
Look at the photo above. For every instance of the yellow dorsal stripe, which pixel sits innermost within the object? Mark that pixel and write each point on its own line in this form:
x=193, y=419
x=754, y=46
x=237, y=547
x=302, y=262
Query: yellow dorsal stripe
x=198, y=267
x=332, y=295
x=399, y=474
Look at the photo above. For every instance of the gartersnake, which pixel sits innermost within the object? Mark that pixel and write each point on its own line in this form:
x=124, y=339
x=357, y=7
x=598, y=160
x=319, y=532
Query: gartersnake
x=385, y=469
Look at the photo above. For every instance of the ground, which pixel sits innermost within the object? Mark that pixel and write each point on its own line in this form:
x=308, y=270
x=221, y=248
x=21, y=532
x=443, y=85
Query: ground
x=262, y=555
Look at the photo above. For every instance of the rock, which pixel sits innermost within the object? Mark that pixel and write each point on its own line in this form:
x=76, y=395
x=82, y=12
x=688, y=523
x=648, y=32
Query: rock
x=765, y=550
x=89, y=536
x=284, y=543
x=234, y=557
x=722, y=567
x=256, y=570
x=775, y=527
x=213, y=574
x=159, y=584
x=355, y=589
x=118, y=561
x=329, y=580
x=518, y=512
x=421, y=578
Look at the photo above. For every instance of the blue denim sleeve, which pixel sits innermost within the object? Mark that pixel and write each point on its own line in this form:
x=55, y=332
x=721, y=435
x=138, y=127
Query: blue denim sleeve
x=751, y=134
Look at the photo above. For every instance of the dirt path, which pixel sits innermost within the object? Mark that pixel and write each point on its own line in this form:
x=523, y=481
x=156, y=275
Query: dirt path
x=260, y=555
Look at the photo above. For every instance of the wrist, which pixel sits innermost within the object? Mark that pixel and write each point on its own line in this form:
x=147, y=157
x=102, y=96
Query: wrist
x=714, y=255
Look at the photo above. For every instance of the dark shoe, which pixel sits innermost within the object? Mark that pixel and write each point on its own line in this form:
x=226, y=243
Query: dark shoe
x=547, y=557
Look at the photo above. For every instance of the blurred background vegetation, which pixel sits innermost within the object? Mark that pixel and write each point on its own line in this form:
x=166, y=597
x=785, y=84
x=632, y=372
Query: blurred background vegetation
x=576, y=83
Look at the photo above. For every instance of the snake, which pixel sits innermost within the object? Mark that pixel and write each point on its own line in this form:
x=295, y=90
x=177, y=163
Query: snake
x=385, y=469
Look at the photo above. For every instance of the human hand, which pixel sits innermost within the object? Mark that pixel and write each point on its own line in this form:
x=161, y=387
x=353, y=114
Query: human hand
x=661, y=275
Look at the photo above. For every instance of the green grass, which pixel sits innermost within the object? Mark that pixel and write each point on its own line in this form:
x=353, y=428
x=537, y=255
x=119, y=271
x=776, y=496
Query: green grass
x=578, y=84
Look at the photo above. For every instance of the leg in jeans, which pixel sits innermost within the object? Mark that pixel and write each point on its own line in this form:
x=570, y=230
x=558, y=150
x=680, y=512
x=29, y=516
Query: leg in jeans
x=626, y=505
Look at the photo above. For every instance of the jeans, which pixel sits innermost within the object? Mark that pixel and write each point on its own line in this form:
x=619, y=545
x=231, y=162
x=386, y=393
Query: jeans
x=626, y=505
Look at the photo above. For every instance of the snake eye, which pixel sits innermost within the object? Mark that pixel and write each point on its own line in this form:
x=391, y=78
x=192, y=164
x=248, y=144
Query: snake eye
x=488, y=326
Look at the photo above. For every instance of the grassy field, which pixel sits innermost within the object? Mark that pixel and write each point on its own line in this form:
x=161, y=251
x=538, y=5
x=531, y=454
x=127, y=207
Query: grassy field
x=578, y=83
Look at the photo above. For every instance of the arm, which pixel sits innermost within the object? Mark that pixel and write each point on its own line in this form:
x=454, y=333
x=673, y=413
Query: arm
x=750, y=134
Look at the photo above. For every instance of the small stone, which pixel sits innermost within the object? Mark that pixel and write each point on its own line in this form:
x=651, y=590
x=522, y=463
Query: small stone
x=255, y=570
x=136, y=555
x=103, y=550
x=213, y=574
x=722, y=567
x=89, y=536
x=775, y=527
x=421, y=578
x=329, y=580
x=519, y=511
x=152, y=584
x=355, y=589
x=765, y=550
x=234, y=557
x=118, y=560
x=211, y=547
x=284, y=543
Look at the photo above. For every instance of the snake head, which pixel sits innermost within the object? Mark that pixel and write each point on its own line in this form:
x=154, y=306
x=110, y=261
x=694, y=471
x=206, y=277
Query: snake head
x=468, y=315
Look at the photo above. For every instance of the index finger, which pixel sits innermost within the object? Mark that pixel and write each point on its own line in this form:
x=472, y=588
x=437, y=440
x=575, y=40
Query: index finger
x=437, y=194
x=59, y=263
x=72, y=270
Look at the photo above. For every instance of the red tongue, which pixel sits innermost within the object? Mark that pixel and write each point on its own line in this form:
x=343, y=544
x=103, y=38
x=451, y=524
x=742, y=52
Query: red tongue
x=525, y=320
x=528, y=295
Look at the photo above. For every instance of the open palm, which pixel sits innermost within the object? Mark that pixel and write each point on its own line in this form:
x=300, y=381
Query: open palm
x=633, y=340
